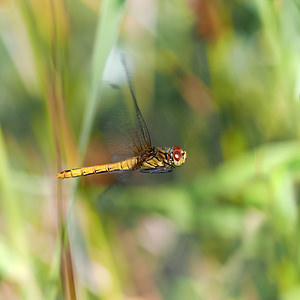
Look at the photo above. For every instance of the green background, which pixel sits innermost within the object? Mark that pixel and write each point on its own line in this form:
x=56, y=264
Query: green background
x=219, y=78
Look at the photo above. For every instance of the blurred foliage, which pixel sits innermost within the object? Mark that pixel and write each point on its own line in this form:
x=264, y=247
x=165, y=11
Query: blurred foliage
x=219, y=78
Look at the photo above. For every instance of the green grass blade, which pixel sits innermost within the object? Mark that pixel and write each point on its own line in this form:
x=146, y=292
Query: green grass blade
x=106, y=35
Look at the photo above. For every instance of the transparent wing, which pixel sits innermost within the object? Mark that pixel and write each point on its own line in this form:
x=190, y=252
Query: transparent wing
x=115, y=127
x=157, y=170
x=141, y=136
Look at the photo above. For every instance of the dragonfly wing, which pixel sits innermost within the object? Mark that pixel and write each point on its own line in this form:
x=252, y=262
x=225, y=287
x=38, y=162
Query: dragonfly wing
x=116, y=128
x=142, y=140
x=158, y=170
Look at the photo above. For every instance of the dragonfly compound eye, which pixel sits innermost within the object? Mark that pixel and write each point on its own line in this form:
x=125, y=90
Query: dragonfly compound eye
x=179, y=156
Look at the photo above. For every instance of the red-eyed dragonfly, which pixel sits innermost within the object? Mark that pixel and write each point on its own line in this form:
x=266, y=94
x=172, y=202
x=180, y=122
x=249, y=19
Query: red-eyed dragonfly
x=146, y=158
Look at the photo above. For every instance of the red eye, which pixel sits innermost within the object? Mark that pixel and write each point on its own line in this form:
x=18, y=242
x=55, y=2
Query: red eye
x=177, y=148
x=177, y=155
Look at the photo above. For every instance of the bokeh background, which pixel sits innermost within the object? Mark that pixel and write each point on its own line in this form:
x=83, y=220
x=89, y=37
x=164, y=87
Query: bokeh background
x=219, y=78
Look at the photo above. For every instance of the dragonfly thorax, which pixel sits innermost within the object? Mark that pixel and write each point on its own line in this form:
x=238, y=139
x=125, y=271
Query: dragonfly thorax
x=159, y=160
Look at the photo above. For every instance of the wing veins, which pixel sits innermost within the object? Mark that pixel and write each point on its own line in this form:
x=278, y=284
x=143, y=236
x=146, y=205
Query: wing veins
x=140, y=120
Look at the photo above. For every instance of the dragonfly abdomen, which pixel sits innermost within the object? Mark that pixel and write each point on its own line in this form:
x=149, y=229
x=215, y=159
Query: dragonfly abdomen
x=125, y=165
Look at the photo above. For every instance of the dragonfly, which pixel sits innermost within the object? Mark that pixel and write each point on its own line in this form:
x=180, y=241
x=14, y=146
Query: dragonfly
x=146, y=158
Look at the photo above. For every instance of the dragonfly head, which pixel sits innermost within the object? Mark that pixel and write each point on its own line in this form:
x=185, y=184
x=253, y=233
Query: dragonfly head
x=178, y=155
